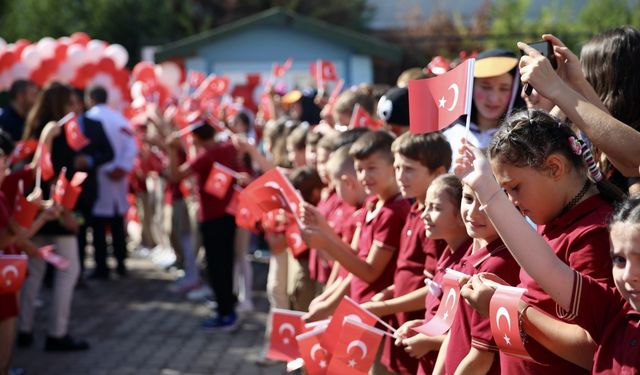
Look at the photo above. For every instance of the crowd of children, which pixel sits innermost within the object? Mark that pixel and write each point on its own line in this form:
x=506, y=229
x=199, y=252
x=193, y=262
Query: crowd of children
x=535, y=192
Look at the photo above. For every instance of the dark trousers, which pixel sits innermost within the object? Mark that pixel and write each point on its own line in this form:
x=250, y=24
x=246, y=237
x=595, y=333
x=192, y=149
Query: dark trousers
x=217, y=238
x=118, y=241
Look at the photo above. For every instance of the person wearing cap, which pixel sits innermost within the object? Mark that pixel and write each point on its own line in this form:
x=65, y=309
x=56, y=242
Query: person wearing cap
x=495, y=75
x=301, y=106
x=393, y=108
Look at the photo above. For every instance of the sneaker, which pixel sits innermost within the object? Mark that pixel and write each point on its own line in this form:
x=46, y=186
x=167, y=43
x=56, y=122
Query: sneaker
x=227, y=323
x=245, y=306
x=200, y=294
x=65, y=344
x=25, y=339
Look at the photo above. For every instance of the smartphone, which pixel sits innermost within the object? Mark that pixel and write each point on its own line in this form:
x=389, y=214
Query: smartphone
x=546, y=49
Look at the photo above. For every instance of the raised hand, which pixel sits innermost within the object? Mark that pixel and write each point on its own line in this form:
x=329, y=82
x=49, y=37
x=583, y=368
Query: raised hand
x=473, y=168
x=569, y=67
x=536, y=70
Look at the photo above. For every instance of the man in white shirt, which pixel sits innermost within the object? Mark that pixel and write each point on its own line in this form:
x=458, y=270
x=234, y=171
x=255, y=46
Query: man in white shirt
x=113, y=183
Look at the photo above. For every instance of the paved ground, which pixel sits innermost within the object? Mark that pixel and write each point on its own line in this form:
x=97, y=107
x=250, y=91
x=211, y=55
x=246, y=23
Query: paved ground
x=138, y=326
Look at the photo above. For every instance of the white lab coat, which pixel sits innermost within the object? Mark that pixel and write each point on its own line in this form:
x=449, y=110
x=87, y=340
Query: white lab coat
x=112, y=195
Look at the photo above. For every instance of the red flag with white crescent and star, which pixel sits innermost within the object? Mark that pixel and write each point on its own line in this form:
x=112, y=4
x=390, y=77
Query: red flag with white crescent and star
x=75, y=138
x=355, y=349
x=45, y=164
x=436, y=103
x=23, y=150
x=505, y=322
x=24, y=212
x=360, y=118
x=347, y=308
x=246, y=212
x=50, y=256
x=13, y=269
x=294, y=240
x=441, y=322
x=220, y=180
x=316, y=358
x=285, y=326
x=195, y=79
x=280, y=70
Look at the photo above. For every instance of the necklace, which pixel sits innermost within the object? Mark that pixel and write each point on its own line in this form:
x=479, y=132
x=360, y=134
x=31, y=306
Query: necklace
x=572, y=203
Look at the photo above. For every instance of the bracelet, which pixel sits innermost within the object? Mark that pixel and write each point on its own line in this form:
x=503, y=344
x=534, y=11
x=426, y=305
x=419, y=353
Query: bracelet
x=484, y=206
x=523, y=333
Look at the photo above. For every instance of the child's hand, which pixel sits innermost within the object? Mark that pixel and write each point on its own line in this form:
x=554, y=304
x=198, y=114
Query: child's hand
x=174, y=140
x=243, y=178
x=473, y=168
x=318, y=311
x=417, y=346
x=52, y=212
x=479, y=290
x=405, y=331
x=309, y=215
x=314, y=237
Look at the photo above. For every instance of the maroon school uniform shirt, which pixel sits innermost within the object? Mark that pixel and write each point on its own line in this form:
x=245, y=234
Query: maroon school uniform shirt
x=351, y=228
x=580, y=238
x=469, y=329
x=382, y=229
x=224, y=153
x=319, y=269
x=451, y=260
x=416, y=251
x=611, y=322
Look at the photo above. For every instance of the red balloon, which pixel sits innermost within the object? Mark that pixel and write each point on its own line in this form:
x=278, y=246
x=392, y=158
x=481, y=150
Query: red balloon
x=80, y=38
x=61, y=52
x=107, y=65
x=143, y=71
x=19, y=45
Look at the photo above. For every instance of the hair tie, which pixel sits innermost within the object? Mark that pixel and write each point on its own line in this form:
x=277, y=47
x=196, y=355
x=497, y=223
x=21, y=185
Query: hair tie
x=594, y=171
x=576, y=145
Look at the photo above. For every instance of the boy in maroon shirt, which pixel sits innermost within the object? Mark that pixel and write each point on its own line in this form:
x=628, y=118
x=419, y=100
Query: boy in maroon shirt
x=418, y=159
x=216, y=226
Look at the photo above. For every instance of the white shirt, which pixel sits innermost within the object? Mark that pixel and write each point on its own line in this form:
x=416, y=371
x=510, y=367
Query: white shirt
x=112, y=195
x=479, y=138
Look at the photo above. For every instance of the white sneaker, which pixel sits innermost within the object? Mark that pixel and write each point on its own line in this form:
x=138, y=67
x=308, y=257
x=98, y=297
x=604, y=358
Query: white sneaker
x=200, y=294
x=245, y=306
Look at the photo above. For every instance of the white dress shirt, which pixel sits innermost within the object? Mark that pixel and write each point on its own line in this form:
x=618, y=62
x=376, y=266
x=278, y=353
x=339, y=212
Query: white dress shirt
x=112, y=195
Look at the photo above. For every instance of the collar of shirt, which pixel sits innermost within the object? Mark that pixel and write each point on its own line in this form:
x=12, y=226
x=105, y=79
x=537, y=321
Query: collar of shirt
x=579, y=211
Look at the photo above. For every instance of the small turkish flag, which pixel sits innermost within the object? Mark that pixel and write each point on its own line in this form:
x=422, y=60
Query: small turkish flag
x=294, y=240
x=23, y=150
x=276, y=179
x=45, y=164
x=435, y=103
x=347, y=308
x=316, y=358
x=212, y=86
x=195, y=79
x=75, y=138
x=280, y=70
x=360, y=118
x=267, y=198
x=246, y=212
x=275, y=221
x=67, y=193
x=50, y=256
x=285, y=326
x=356, y=348
x=220, y=180
x=323, y=70
x=443, y=319
x=24, y=212
x=13, y=269
x=503, y=312
x=265, y=106
x=232, y=207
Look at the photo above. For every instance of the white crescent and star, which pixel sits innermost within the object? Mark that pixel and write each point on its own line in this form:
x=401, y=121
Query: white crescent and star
x=297, y=240
x=358, y=344
x=286, y=327
x=502, y=311
x=7, y=270
x=317, y=348
x=354, y=317
x=456, y=92
x=450, y=295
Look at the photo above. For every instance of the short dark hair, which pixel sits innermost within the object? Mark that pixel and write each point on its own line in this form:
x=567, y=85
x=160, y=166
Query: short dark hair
x=370, y=143
x=313, y=137
x=6, y=143
x=432, y=149
x=204, y=132
x=306, y=179
x=98, y=94
x=18, y=87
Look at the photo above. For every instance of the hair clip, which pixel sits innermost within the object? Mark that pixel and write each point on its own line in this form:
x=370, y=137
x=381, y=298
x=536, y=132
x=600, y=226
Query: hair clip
x=575, y=145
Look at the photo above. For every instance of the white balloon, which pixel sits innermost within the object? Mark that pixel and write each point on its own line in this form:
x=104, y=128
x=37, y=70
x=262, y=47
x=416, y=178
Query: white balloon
x=3, y=44
x=47, y=47
x=65, y=40
x=20, y=70
x=95, y=50
x=136, y=90
x=31, y=56
x=76, y=55
x=66, y=72
x=118, y=54
x=4, y=80
x=103, y=80
x=169, y=74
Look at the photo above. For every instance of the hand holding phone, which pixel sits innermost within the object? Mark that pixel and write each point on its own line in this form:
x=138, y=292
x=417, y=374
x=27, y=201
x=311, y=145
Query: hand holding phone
x=546, y=49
